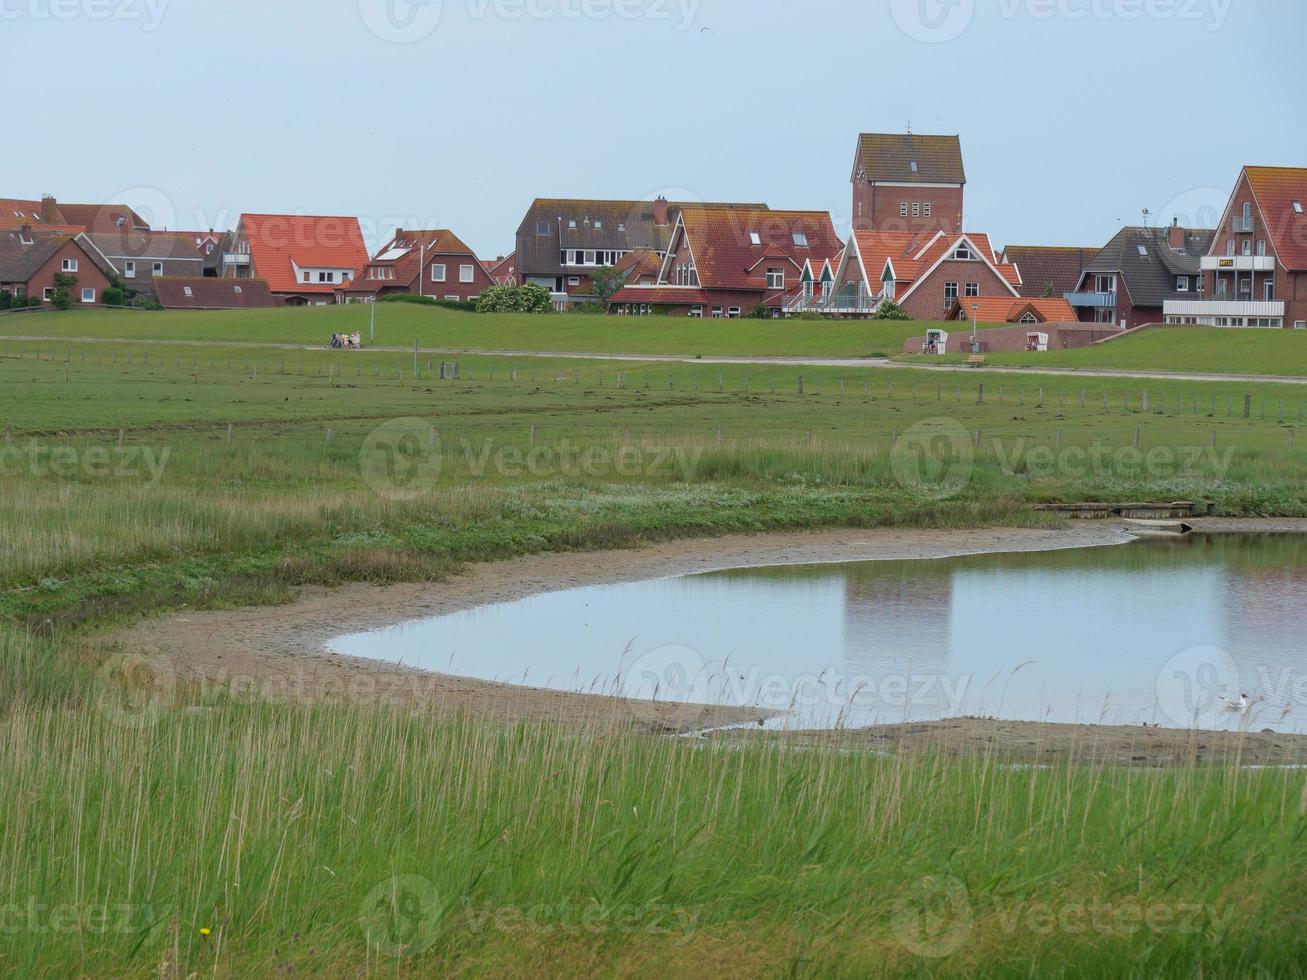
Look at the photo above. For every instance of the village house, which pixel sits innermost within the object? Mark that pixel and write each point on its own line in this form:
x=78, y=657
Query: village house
x=903, y=182
x=1048, y=270
x=140, y=257
x=49, y=213
x=1255, y=270
x=561, y=241
x=729, y=262
x=994, y=310
x=31, y=259
x=1131, y=279
x=420, y=263
x=303, y=258
x=925, y=275
x=502, y=269
x=209, y=293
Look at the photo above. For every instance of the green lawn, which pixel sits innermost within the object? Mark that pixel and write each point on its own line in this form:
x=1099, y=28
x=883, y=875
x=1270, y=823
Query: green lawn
x=400, y=324
x=316, y=839
x=1194, y=349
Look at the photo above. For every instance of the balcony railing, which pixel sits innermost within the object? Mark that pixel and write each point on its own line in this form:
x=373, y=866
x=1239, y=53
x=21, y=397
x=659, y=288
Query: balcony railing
x=1241, y=225
x=1222, y=306
x=236, y=258
x=1091, y=299
x=847, y=301
x=1238, y=263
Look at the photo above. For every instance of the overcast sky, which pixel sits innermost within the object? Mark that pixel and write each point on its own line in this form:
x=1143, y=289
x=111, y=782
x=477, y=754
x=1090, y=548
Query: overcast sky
x=1074, y=114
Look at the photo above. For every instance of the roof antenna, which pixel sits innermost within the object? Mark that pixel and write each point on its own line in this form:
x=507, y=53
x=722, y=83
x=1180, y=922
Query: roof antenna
x=909, y=125
x=1146, y=215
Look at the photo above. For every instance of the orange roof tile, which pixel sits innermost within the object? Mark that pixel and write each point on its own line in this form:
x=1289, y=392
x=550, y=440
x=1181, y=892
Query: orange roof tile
x=280, y=242
x=1009, y=309
x=725, y=253
x=1276, y=189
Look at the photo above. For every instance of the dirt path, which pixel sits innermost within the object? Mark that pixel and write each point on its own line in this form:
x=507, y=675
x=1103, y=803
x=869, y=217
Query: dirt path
x=761, y=360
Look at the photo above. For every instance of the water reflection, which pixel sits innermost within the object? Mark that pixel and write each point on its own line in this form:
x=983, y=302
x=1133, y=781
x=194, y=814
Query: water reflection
x=1157, y=632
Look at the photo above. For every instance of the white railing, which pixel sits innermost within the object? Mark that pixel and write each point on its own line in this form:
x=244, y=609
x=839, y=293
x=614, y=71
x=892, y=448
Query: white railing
x=862, y=302
x=1219, y=307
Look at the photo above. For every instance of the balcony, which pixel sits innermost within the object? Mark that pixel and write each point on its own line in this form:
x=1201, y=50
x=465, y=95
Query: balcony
x=1091, y=299
x=1238, y=263
x=1225, y=312
x=236, y=258
x=1243, y=226
x=849, y=301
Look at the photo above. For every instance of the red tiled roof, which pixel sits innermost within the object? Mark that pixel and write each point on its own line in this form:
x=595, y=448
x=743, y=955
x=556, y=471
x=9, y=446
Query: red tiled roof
x=1008, y=309
x=641, y=264
x=417, y=246
x=664, y=295
x=279, y=242
x=1042, y=266
x=209, y=293
x=1276, y=189
x=724, y=253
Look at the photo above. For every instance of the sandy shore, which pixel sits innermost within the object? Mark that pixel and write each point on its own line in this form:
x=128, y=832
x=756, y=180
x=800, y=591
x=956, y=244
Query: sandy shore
x=281, y=652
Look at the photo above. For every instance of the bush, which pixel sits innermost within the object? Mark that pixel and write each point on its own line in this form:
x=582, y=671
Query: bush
x=114, y=296
x=530, y=298
x=889, y=310
x=761, y=312
x=590, y=308
x=444, y=304
x=62, y=298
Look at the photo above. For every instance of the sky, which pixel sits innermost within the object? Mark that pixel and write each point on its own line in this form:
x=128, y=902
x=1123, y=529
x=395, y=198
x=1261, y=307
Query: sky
x=1074, y=115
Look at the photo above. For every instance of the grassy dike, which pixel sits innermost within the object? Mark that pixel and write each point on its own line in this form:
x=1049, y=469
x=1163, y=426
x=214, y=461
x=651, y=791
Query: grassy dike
x=218, y=835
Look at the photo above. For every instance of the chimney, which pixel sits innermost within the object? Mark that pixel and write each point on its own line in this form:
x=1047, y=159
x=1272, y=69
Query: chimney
x=1175, y=235
x=49, y=210
x=660, y=211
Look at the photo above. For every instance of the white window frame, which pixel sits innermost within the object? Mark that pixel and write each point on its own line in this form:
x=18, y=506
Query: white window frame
x=716, y=312
x=69, y=265
x=466, y=273
x=903, y=209
x=88, y=291
x=950, y=292
x=801, y=239
x=156, y=269
x=451, y=298
x=696, y=311
x=926, y=209
x=776, y=278
x=963, y=253
x=733, y=313
x=1182, y=284
x=129, y=270
x=755, y=238
x=188, y=291
x=47, y=294
x=574, y=280
x=438, y=272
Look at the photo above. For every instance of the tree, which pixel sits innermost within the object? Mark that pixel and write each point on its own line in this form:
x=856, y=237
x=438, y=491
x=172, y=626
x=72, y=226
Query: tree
x=62, y=297
x=890, y=310
x=761, y=312
x=607, y=281
x=1049, y=291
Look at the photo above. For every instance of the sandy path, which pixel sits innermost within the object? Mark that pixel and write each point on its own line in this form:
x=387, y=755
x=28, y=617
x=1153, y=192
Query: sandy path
x=761, y=360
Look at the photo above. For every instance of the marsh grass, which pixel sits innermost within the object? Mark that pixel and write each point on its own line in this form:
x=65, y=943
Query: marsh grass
x=550, y=850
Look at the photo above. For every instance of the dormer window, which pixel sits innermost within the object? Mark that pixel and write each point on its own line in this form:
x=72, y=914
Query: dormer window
x=775, y=278
x=963, y=253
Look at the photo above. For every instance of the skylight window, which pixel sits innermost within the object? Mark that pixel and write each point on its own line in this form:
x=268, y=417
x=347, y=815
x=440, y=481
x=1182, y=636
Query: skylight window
x=189, y=291
x=1143, y=250
x=800, y=239
x=236, y=288
x=1297, y=206
x=755, y=238
x=599, y=226
x=913, y=165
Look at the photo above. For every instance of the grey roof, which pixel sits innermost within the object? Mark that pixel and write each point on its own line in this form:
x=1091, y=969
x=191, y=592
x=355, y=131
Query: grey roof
x=600, y=225
x=909, y=158
x=1144, y=258
x=20, y=260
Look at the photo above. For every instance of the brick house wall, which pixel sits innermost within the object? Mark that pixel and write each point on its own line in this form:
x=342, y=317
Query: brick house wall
x=88, y=274
x=878, y=207
x=452, y=287
x=1290, y=287
x=927, y=301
